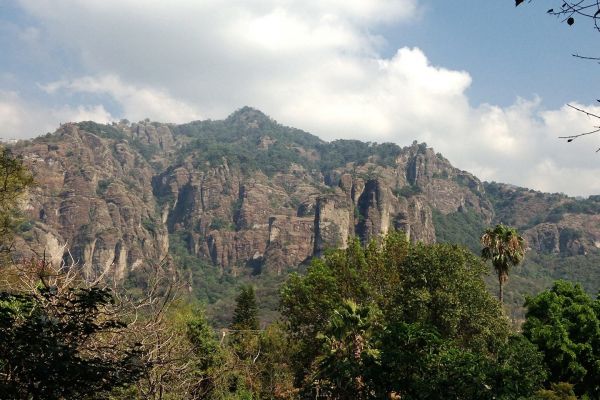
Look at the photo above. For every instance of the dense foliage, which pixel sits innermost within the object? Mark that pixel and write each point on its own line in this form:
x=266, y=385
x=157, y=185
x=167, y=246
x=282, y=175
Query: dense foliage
x=237, y=138
x=51, y=346
x=564, y=322
x=413, y=320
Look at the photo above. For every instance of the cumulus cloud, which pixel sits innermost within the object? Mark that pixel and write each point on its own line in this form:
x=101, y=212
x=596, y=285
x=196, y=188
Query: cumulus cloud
x=21, y=119
x=316, y=65
x=138, y=102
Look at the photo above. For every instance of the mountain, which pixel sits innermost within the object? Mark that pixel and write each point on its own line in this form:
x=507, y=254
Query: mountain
x=248, y=198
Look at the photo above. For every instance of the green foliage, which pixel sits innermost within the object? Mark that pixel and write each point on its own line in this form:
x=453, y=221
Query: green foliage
x=102, y=130
x=434, y=286
x=219, y=224
x=461, y=227
x=15, y=179
x=245, y=315
x=111, y=132
x=150, y=225
x=407, y=191
x=235, y=141
x=50, y=346
x=505, y=248
x=208, y=354
x=275, y=374
x=350, y=350
x=418, y=363
x=341, y=152
x=558, y=391
x=590, y=206
x=564, y=322
x=236, y=138
x=103, y=185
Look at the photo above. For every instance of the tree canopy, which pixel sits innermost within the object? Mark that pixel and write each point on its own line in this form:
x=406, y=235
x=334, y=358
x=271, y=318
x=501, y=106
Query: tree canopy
x=404, y=319
x=505, y=248
x=51, y=346
x=564, y=322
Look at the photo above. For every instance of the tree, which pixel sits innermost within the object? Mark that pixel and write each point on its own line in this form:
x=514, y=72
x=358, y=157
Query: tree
x=431, y=291
x=418, y=363
x=63, y=345
x=564, y=322
x=208, y=355
x=15, y=179
x=350, y=352
x=558, y=391
x=506, y=248
x=245, y=315
x=245, y=346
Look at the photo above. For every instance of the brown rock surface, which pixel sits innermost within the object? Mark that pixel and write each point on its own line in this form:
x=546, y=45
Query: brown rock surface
x=113, y=195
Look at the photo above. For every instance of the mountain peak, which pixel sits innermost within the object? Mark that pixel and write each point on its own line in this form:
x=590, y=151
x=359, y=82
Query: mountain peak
x=249, y=115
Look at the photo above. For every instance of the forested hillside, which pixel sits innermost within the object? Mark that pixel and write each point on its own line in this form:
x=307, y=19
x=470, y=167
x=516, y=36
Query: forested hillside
x=246, y=199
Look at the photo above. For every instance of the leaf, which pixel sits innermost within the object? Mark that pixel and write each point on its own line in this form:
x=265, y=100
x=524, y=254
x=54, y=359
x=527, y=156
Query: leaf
x=569, y=141
x=518, y=2
x=550, y=10
x=596, y=14
x=571, y=21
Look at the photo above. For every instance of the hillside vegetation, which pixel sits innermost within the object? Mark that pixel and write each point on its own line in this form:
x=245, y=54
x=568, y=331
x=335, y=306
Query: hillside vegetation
x=246, y=199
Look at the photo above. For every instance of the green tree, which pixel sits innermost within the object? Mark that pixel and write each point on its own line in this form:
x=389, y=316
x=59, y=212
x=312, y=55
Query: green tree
x=15, y=178
x=558, y=391
x=276, y=375
x=435, y=292
x=63, y=346
x=350, y=351
x=505, y=248
x=360, y=274
x=419, y=363
x=245, y=315
x=564, y=322
x=208, y=355
x=244, y=346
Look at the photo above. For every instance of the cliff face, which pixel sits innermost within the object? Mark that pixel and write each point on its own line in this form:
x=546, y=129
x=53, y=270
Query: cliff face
x=251, y=196
x=91, y=202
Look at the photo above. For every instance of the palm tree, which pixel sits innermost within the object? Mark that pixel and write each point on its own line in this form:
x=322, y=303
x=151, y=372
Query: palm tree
x=505, y=247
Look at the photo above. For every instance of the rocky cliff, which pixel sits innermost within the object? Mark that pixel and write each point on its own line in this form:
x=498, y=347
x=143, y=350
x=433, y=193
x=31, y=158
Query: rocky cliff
x=250, y=196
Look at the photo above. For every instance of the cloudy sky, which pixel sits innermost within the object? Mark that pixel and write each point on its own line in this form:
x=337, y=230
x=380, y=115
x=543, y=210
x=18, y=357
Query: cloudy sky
x=484, y=83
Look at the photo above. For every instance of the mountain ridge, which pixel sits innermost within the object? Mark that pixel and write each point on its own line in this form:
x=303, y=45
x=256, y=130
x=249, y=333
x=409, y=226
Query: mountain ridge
x=248, y=196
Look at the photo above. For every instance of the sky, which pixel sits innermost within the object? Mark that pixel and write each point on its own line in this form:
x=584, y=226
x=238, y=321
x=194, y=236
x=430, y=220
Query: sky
x=484, y=83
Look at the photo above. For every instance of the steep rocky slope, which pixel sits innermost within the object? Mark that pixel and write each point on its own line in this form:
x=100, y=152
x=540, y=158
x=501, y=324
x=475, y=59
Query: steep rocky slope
x=249, y=196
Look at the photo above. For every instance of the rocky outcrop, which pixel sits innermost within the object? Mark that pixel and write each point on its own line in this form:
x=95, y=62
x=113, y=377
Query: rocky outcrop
x=92, y=203
x=250, y=196
x=573, y=235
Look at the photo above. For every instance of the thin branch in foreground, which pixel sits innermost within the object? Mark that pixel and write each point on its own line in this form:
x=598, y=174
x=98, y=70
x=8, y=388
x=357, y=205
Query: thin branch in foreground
x=589, y=114
x=586, y=57
x=573, y=137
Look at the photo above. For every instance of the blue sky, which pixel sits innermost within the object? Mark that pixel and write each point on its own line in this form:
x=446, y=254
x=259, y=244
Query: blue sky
x=484, y=83
x=508, y=51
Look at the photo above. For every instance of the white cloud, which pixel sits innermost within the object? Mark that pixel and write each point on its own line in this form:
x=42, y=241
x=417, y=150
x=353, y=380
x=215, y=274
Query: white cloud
x=138, y=103
x=316, y=65
x=22, y=119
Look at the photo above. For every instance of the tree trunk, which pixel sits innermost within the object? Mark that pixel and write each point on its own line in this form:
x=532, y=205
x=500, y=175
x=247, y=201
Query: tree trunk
x=501, y=288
